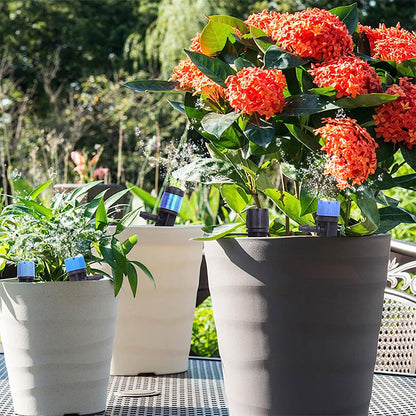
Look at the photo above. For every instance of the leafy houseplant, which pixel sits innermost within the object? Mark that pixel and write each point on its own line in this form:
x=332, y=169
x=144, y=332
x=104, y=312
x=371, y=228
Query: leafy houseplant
x=295, y=108
x=64, y=329
x=30, y=230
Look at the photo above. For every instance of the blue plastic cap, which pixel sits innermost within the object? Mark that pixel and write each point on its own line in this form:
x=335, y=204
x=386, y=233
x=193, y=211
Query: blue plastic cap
x=328, y=208
x=75, y=263
x=170, y=201
x=25, y=269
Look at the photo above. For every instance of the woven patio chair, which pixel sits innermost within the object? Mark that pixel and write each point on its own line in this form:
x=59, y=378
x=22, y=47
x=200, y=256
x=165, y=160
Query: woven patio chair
x=396, y=351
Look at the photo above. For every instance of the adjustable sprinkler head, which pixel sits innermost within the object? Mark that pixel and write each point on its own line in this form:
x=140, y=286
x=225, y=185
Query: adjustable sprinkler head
x=26, y=271
x=257, y=222
x=326, y=219
x=169, y=207
x=76, y=268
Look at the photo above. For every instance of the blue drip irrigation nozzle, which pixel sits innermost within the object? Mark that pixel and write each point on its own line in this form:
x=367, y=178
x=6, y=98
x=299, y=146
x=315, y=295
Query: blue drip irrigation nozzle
x=76, y=268
x=327, y=216
x=26, y=271
x=169, y=207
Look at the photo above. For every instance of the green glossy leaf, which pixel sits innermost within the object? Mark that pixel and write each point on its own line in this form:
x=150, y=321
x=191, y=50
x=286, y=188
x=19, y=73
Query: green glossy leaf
x=366, y=201
x=38, y=208
x=188, y=211
x=407, y=68
x=306, y=104
x=392, y=216
x=132, y=276
x=289, y=205
x=306, y=138
x=213, y=68
x=152, y=86
x=127, y=220
x=231, y=21
x=241, y=63
x=35, y=193
x=92, y=206
x=76, y=195
x=117, y=280
x=326, y=91
x=217, y=124
x=219, y=231
x=406, y=181
x=177, y=106
x=235, y=197
x=148, y=199
x=348, y=15
x=261, y=132
x=275, y=58
x=119, y=256
x=107, y=254
x=365, y=227
x=261, y=39
x=214, y=37
x=129, y=243
x=409, y=156
x=144, y=269
x=366, y=100
x=101, y=219
x=111, y=200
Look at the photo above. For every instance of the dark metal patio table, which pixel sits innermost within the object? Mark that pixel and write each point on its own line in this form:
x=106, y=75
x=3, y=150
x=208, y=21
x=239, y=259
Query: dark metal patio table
x=200, y=392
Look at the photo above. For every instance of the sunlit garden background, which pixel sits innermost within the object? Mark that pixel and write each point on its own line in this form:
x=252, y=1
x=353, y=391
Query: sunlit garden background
x=62, y=63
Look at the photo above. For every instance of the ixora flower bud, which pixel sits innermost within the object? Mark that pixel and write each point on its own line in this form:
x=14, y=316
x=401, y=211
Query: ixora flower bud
x=26, y=271
x=76, y=268
x=170, y=205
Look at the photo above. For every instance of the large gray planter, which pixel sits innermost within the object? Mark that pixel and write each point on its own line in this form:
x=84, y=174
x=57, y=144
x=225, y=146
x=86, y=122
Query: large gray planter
x=298, y=321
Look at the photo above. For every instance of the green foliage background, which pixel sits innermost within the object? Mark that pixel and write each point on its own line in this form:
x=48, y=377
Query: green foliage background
x=62, y=62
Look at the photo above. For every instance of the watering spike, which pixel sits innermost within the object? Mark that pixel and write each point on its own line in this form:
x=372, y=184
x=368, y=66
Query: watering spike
x=326, y=219
x=169, y=207
x=257, y=222
x=26, y=271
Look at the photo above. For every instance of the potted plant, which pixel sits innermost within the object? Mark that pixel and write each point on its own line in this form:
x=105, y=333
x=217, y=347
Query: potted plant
x=153, y=330
x=58, y=334
x=296, y=108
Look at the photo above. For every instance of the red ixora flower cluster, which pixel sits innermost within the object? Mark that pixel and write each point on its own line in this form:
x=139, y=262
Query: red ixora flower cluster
x=256, y=90
x=311, y=33
x=396, y=121
x=349, y=75
x=390, y=44
x=351, y=151
x=190, y=78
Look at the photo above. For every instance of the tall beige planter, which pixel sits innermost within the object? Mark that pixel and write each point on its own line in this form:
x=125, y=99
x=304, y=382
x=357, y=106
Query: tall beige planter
x=153, y=330
x=57, y=339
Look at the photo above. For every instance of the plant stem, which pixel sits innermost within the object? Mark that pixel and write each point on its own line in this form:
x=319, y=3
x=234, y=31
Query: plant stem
x=284, y=187
x=347, y=211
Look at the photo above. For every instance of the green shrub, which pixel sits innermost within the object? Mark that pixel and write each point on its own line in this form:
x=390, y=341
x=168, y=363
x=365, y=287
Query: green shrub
x=204, y=335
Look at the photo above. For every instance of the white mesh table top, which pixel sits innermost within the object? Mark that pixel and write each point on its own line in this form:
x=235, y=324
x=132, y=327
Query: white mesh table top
x=200, y=392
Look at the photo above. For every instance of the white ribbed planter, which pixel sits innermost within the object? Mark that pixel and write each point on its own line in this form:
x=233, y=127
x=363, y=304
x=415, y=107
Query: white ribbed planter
x=153, y=330
x=57, y=339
